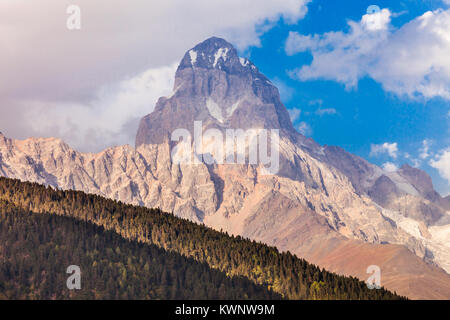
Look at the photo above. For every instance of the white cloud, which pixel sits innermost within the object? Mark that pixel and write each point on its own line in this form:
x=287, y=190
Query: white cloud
x=110, y=118
x=51, y=71
x=416, y=163
x=318, y=102
x=305, y=129
x=389, y=148
x=286, y=92
x=376, y=21
x=425, y=150
x=119, y=39
x=412, y=61
x=294, y=114
x=325, y=111
x=442, y=164
x=321, y=111
x=389, y=167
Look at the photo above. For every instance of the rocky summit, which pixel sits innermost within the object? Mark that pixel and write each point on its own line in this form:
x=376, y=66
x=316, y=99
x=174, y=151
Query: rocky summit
x=216, y=86
x=326, y=205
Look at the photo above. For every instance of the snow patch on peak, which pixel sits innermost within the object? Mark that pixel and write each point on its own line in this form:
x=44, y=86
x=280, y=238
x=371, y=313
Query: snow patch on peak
x=220, y=53
x=193, y=55
x=244, y=62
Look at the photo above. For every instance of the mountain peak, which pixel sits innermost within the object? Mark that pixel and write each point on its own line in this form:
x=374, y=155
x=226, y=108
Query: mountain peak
x=212, y=44
x=216, y=86
x=216, y=53
x=420, y=180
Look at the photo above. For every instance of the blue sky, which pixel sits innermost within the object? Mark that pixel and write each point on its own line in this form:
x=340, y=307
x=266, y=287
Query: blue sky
x=358, y=117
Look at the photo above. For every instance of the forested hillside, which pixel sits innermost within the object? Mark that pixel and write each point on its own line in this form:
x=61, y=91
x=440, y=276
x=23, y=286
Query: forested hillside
x=283, y=273
x=36, y=249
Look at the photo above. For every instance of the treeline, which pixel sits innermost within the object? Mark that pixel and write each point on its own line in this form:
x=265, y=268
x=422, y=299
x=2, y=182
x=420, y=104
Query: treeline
x=36, y=249
x=283, y=273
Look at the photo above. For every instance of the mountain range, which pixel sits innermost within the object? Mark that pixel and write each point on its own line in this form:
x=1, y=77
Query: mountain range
x=324, y=204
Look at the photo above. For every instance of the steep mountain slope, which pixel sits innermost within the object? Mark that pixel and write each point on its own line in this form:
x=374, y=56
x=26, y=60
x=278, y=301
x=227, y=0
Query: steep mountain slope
x=37, y=239
x=330, y=198
x=214, y=85
x=408, y=190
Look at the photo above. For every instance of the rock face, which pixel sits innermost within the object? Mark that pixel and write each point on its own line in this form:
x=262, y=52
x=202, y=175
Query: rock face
x=331, y=207
x=383, y=191
x=214, y=85
x=408, y=191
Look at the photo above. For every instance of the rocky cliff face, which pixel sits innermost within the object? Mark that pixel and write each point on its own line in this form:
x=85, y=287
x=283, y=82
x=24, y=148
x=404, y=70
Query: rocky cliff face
x=216, y=86
x=325, y=204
